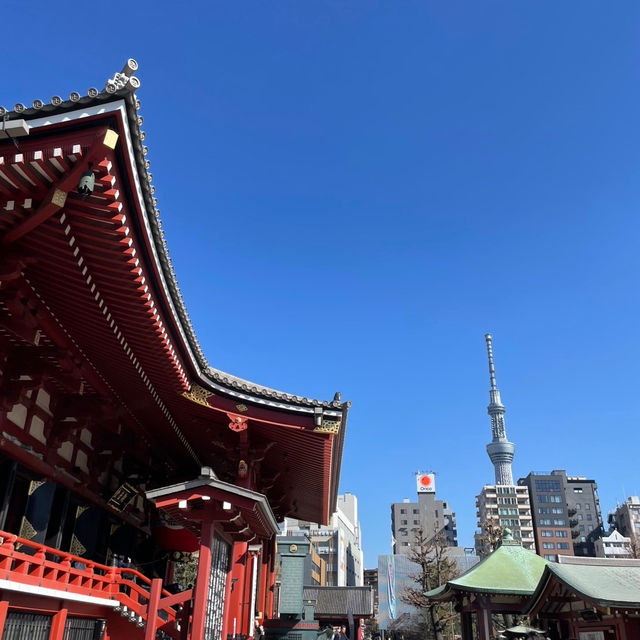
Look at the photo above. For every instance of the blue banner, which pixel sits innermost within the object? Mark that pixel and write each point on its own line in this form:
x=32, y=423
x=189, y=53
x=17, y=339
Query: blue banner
x=391, y=586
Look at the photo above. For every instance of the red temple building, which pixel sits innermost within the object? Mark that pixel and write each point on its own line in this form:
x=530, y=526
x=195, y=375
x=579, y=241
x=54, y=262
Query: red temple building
x=121, y=449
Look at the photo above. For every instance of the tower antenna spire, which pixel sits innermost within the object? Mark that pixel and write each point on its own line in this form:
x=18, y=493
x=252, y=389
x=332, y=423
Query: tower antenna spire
x=500, y=450
x=492, y=369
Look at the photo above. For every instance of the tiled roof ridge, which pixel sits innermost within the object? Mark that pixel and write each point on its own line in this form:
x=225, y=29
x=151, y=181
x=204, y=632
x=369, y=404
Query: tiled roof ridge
x=123, y=85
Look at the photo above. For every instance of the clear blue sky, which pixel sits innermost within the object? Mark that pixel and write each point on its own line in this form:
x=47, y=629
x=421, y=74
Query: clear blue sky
x=354, y=192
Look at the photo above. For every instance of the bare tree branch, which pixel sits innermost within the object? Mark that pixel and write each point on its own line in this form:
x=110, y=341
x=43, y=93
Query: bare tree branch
x=435, y=568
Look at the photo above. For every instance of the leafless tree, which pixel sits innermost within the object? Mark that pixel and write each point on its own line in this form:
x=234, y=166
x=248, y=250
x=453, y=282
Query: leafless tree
x=634, y=545
x=490, y=535
x=435, y=568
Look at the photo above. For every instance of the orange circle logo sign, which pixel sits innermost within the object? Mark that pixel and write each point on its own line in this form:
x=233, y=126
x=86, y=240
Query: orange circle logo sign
x=425, y=481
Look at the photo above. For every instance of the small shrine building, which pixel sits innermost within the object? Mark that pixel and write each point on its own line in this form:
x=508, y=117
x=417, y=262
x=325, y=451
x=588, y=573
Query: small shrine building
x=594, y=598
x=501, y=583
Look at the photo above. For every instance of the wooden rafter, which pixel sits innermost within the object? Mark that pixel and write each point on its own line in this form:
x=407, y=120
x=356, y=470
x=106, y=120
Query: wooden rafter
x=57, y=196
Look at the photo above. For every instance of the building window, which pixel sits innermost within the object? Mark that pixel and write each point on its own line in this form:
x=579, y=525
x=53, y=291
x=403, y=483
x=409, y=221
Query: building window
x=551, y=557
x=543, y=509
x=587, y=506
x=546, y=534
x=544, y=521
x=577, y=489
x=583, y=539
x=557, y=510
x=416, y=511
x=578, y=505
x=589, y=517
x=561, y=534
x=549, y=486
x=559, y=522
x=403, y=511
x=555, y=498
x=548, y=545
x=416, y=522
x=581, y=527
x=543, y=498
x=579, y=516
x=506, y=490
x=563, y=545
x=403, y=522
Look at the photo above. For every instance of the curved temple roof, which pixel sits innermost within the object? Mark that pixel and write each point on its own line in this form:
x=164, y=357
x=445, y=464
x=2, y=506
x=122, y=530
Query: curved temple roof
x=122, y=86
x=509, y=570
x=605, y=586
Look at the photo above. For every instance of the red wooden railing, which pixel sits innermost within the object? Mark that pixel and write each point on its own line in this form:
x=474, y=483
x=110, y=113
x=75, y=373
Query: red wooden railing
x=34, y=564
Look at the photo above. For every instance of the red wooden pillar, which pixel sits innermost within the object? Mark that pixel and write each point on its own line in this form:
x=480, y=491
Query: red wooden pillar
x=201, y=591
x=227, y=618
x=271, y=580
x=237, y=590
x=246, y=593
x=261, y=600
x=4, y=608
x=57, y=625
x=152, y=608
x=484, y=623
x=359, y=629
x=466, y=625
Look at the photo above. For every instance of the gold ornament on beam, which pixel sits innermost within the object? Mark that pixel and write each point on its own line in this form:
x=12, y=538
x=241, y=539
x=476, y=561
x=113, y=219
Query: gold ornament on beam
x=328, y=426
x=199, y=395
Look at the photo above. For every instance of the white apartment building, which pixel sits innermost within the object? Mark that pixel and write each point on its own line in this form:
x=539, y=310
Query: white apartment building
x=615, y=545
x=506, y=506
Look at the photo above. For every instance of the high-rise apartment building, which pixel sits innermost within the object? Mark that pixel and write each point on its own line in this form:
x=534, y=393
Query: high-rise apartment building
x=585, y=517
x=626, y=518
x=339, y=543
x=429, y=514
x=503, y=507
x=552, y=531
x=566, y=513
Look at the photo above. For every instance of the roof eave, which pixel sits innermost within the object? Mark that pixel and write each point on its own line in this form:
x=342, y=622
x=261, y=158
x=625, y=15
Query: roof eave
x=122, y=86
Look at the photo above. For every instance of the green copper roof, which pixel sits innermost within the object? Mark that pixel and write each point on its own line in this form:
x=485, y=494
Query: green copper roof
x=603, y=585
x=510, y=569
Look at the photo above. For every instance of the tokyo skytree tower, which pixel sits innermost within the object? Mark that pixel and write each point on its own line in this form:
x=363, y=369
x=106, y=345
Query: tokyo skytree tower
x=500, y=450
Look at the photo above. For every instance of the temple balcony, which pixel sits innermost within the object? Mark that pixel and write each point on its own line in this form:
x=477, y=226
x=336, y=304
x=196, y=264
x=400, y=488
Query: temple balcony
x=34, y=574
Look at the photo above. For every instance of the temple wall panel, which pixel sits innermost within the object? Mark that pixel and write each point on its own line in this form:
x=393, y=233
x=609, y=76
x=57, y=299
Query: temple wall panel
x=43, y=400
x=36, y=429
x=82, y=460
x=65, y=450
x=18, y=415
x=86, y=437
